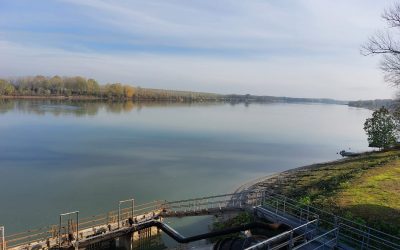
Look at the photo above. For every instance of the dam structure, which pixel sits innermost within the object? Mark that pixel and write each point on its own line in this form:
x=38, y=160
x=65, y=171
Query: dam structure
x=138, y=225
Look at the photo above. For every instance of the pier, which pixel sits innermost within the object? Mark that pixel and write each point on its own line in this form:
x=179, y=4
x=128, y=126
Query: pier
x=309, y=227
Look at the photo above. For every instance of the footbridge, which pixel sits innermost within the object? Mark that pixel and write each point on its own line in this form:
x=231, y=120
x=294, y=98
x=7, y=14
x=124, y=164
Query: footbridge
x=308, y=227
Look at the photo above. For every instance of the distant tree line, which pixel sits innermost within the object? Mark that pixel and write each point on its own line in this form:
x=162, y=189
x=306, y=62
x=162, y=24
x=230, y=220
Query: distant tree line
x=78, y=86
x=374, y=104
x=282, y=99
x=48, y=86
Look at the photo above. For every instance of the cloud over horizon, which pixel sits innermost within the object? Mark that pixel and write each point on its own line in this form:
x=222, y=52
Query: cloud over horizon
x=306, y=48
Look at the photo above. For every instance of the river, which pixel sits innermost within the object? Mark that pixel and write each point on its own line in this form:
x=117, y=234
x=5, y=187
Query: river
x=59, y=156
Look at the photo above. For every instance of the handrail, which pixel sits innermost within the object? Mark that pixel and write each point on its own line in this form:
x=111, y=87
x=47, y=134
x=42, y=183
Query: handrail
x=250, y=199
x=39, y=233
x=363, y=234
x=272, y=239
x=366, y=232
x=87, y=218
x=333, y=215
x=315, y=239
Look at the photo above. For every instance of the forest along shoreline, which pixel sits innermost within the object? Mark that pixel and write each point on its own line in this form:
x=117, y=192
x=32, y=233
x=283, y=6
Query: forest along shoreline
x=80, y=88
x=365, y=188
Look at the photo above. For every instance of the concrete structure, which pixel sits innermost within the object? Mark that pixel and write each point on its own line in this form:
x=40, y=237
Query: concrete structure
x=310, y=228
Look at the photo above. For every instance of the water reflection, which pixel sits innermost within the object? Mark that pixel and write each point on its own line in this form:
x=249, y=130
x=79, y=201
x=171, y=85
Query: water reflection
x=63, y=155
x=84, y=107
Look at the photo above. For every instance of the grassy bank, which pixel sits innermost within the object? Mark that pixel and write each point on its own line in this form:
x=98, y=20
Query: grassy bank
x=364, y=188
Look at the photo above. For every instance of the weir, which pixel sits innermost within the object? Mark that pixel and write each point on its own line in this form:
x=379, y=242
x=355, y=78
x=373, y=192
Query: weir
x=309, y=227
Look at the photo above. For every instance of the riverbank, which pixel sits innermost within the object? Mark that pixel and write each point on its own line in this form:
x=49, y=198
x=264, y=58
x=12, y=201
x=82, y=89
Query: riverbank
x=364, y=188
x=53, y=97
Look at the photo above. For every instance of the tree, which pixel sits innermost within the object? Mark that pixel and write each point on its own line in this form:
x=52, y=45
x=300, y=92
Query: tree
x=56, y=85
x=387, y=43
x=129, y=91
x=3, y=84
x=114, y=91
x=381, y=129
x=6, y=88
x=93, y=87
x=9, y=89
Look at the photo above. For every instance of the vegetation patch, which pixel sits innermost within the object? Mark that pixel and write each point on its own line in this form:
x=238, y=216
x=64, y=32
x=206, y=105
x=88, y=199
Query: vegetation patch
x=365, y=188
x=221, y=224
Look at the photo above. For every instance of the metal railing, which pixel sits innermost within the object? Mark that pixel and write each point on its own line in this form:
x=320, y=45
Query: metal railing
x=328, y=239
x=224, y=201
x=348, y=233
x=288, y=238
x=31, y=237
x=365, y=238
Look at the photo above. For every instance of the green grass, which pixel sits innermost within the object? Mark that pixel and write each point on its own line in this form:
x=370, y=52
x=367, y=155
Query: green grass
x=365, y=188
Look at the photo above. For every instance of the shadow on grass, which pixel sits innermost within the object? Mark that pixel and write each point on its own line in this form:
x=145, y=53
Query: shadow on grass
x=383, y=218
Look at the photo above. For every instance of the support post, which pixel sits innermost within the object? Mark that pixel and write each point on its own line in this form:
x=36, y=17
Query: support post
x=119, y=209
x=60, y=226
x=133, y=208
x=3, y=238
x=291, y=240
x=284, y=205
x=337, y=231
x=77, y=228
x=119, y=214
x=263, y=198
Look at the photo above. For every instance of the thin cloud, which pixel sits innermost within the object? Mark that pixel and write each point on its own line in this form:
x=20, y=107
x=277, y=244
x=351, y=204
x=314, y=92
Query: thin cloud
x=304, y=48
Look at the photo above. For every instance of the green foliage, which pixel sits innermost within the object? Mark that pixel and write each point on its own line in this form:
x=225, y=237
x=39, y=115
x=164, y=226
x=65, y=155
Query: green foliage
x=6, y=88
x=381, y=129
x=350, y=216
x=305, y=200
x=240, y=219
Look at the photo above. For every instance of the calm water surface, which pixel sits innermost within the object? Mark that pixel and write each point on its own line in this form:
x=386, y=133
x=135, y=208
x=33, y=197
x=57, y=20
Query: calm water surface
x=63, y=156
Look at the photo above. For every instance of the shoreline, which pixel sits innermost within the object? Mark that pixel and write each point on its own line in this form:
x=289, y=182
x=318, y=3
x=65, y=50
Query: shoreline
x=106, y=99
x=52, y=97
x=178, y=99
x=272, y=181
x=363, y=188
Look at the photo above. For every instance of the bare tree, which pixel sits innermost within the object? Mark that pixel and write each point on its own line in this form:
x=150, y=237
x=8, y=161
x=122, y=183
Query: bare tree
x=387, y=44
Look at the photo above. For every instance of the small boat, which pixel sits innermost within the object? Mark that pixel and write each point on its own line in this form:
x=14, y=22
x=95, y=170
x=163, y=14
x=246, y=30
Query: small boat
x=345, y=153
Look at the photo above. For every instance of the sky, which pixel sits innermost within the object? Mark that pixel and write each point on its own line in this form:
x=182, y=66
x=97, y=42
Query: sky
x=297, y=48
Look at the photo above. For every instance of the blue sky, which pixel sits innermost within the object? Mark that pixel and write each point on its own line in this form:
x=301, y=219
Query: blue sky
x=302, y=48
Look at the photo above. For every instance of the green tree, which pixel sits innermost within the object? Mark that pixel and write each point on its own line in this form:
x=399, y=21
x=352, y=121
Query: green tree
x=381, y=129
x=3, y=84
x=6, y=88
x=10, y=89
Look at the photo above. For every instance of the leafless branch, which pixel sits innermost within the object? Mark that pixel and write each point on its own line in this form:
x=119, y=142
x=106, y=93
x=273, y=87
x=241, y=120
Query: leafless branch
x=387, y=44
x=392, y=16
x=381, y=43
